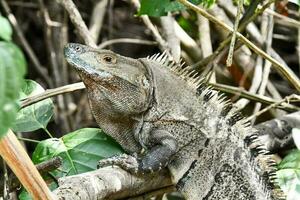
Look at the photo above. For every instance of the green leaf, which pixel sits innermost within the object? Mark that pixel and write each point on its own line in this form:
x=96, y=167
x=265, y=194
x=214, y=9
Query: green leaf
x=157, y=8
x=291, y=161
x=154, y=8
x=12, y=70
x=35, y=116
x=80, y=150
x=174, y=6
x=288, y=175
x=5, y=30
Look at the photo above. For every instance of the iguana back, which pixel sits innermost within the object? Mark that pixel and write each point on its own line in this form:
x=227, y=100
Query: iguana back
x=214, y=160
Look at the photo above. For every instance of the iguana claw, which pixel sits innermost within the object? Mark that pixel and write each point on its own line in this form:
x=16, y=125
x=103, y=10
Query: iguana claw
x=125, y=161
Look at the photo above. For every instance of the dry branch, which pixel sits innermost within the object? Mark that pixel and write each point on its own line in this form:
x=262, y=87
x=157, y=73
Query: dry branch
x=126, y=40
x=51, y=93
x=19, y=162
x=110, y=183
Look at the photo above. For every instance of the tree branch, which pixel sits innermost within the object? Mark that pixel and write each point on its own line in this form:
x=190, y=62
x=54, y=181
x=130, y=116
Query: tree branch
x=110, y=183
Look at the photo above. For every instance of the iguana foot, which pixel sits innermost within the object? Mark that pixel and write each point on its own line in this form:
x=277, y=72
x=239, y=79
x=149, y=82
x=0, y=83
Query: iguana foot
x=125, y=161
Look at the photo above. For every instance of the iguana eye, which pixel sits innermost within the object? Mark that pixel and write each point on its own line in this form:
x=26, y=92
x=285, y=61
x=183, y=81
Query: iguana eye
x=109, y=59
x=77, y=48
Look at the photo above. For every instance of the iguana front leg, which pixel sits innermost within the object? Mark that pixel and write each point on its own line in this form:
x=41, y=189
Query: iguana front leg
x=163, y=147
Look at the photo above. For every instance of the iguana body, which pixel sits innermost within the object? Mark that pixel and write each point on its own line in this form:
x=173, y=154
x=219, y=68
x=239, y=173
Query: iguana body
x=166, y=115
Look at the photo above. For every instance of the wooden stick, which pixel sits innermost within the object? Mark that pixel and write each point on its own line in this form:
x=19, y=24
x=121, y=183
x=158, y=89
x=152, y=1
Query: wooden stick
x=18, y=160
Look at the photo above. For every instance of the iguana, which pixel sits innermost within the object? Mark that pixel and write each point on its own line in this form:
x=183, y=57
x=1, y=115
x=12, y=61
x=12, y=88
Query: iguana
x=164, y=115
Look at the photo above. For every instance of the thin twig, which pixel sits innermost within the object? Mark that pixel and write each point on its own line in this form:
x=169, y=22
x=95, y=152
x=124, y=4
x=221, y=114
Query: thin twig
x=235, y=29
x=288, y=73
x=51, y=92
x=78, y=22
x=254, y=97
x=23, y=4
x=274, y=105
x=126, y=40
x=286, y=19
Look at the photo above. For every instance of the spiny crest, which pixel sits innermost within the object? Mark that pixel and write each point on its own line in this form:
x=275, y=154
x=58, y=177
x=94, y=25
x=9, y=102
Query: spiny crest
x=192, y=77
x=267, y=164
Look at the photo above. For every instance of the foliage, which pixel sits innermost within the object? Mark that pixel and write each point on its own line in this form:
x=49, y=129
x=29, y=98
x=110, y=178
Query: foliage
x=289, y=170
x=6, y=30
x=80, y=152
x=157, y=8
x=35, y=116
x=289, y=175
x=12, y=70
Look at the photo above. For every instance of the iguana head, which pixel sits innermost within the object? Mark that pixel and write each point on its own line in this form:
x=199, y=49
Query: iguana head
x=122, y=82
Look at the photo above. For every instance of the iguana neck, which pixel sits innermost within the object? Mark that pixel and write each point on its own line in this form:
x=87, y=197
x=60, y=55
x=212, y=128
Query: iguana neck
x=118, y=126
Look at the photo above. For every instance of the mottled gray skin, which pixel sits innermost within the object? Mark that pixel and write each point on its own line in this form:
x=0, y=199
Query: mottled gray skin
x=163, y=116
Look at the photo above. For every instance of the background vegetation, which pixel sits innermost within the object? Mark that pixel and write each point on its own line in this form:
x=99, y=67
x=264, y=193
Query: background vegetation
x=33, y=34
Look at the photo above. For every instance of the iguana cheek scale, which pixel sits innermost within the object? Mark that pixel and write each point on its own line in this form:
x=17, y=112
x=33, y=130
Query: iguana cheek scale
x=163, y=114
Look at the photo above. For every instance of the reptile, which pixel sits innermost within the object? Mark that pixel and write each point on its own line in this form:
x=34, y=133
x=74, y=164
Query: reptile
x=163, y=114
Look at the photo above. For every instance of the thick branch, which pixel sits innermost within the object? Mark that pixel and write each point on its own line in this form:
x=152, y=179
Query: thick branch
x=110, y=183
x=19, y=162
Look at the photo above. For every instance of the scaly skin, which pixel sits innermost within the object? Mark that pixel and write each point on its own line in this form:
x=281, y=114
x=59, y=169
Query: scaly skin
x=163, y=115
